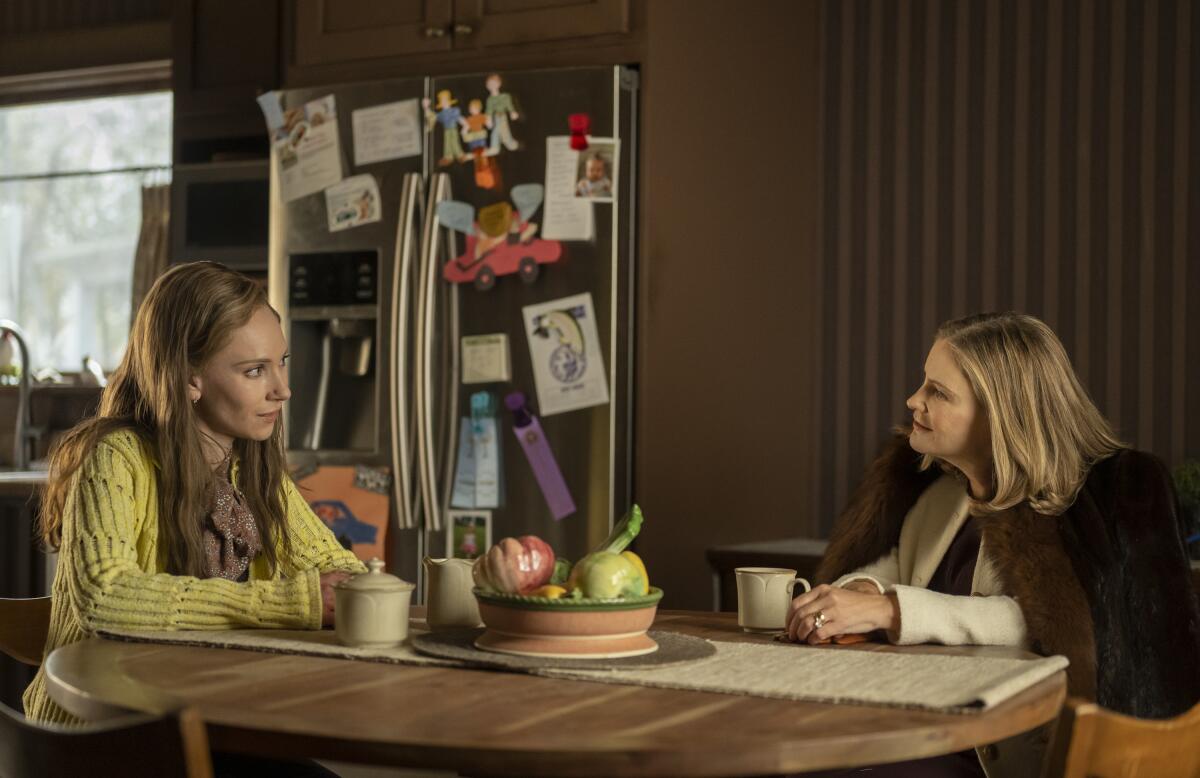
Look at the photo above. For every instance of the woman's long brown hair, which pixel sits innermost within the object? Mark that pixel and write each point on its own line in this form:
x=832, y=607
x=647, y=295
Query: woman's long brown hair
x=188, y=316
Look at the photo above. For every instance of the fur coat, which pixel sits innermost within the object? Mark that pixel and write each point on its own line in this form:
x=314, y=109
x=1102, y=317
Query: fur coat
x=1107, y=583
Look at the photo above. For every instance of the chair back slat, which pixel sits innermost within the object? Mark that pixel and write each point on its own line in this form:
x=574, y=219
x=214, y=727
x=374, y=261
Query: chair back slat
x=24, y=625
x=170, y=746
x=1092, y=742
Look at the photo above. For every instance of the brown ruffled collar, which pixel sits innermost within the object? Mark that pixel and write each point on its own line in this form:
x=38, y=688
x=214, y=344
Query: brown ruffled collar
x=231, y=537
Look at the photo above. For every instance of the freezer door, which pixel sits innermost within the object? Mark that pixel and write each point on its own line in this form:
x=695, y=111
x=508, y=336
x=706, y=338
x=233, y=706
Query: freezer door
x=348, y=352
x=591, y=445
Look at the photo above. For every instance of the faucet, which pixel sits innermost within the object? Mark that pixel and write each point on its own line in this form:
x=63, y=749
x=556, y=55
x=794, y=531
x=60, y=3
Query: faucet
x=22, y=431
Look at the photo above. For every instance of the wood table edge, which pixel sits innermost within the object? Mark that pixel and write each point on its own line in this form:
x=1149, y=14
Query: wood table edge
x=120, y=694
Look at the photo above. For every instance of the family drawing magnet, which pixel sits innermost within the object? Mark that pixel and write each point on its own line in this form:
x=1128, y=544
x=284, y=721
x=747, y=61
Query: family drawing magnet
x=449, y=116
x=533, y=442
x=501, y=109
x=564, y=347
x=500, y=241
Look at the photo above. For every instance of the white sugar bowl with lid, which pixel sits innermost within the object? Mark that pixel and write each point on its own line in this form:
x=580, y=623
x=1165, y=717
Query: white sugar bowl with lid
x=371, y=609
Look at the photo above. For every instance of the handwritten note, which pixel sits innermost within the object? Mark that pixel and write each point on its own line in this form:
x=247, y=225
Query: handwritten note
x=566, y=216
x=387, y=131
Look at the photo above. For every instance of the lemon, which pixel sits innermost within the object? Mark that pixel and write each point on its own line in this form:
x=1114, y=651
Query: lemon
x=641, y=566
x=549, y=590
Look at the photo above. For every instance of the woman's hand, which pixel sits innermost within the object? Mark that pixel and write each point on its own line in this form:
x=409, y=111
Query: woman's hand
x=327, y=599
x=847, y=611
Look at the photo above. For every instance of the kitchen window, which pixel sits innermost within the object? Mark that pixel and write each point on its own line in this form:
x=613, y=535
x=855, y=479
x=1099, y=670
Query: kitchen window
x=71, y=174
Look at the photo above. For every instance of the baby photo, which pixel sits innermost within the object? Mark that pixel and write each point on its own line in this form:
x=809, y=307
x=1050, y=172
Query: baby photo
x=596, y=174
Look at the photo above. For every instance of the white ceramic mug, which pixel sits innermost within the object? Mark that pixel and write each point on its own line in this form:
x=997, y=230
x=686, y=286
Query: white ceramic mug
x=764, y=595
x=449, y=599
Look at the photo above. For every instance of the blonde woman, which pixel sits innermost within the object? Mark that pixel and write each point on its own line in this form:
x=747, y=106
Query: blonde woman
x=1008, y=513
x=172, y=508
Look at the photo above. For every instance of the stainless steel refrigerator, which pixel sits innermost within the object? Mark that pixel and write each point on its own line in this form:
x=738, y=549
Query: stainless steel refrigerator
x=375, y=328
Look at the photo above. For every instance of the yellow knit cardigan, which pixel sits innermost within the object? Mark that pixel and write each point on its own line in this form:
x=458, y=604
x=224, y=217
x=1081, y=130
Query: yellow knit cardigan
x=109, y=575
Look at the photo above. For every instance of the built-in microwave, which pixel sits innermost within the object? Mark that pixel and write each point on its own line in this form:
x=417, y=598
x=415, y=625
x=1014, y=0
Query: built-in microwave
x=220, y=211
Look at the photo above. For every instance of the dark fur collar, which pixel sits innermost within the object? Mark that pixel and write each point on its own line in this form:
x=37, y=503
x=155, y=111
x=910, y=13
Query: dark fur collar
x=1108, y=579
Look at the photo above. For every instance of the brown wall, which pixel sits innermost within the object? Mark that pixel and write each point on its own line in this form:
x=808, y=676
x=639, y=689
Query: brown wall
x=1003, y=154
x=728, y=166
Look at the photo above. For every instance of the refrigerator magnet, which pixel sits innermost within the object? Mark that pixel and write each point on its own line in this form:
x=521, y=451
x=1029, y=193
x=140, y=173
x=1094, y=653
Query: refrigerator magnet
x=501, y=111
x=468, y=533
x=352, y=202
x=445, y=112
x=486, y=359
x=580, y=124
x=500, y=242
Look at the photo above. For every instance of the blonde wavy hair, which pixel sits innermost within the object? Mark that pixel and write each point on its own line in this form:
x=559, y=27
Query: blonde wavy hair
x=1046, y=432
x=188, y=315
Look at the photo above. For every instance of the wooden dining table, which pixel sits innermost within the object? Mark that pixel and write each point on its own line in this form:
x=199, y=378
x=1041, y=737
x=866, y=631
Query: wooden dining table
x=481, y=722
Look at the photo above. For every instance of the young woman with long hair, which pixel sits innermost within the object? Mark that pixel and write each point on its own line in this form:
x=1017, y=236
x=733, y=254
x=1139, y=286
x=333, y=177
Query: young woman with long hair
x=172, y=507
x=1008, y=513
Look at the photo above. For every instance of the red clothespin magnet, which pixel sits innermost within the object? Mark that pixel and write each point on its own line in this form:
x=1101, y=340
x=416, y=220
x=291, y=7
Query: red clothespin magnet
x=581, y=126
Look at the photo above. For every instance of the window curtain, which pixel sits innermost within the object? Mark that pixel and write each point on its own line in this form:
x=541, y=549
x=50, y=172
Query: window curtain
x=151, y=258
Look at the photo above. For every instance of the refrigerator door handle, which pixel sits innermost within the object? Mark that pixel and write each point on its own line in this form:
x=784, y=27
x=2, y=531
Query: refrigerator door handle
x=402, y=455
x=439, y=189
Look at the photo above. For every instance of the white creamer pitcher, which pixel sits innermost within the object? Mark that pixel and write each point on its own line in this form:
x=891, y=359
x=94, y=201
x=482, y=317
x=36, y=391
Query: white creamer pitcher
x=450, y=602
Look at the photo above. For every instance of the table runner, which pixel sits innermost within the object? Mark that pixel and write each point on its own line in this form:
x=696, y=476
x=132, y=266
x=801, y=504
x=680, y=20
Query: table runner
x=936, y=682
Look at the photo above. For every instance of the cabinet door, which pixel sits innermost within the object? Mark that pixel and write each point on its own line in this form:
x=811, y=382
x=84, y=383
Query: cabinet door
x=330, y=31
x=484, y=23
x=225, y=55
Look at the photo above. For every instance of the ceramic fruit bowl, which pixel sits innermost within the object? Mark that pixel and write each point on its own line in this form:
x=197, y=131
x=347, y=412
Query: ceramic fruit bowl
x=567, y=628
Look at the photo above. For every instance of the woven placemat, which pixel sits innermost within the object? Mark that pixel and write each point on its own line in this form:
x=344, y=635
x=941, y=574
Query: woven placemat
x=459, y=644
x=304, y=642
x=937, y=682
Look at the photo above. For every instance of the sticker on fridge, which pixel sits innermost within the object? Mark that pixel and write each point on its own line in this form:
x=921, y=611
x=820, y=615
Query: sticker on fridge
x=388, y=131
x=307, y=149
x=564, y=347
x=352, y=202
x=352, y=502
x=565, y=216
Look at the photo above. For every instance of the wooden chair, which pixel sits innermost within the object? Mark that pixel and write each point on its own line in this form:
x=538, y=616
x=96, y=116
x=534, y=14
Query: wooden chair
x=171, y=746
x=23, y=628
x=1097, y=743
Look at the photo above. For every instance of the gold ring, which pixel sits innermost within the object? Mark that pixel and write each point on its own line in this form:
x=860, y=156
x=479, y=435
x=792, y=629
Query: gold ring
x=820, y=619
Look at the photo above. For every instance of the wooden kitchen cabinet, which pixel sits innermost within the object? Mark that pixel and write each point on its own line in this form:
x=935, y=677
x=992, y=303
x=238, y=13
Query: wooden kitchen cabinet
x=225, y=55
x=487, y=23
x=326, y=32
